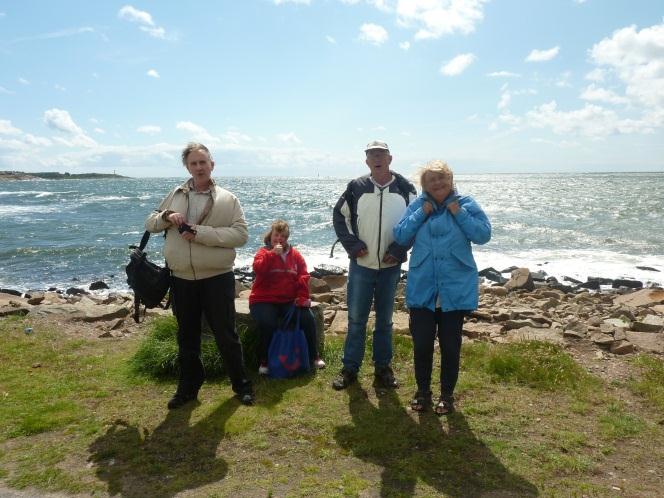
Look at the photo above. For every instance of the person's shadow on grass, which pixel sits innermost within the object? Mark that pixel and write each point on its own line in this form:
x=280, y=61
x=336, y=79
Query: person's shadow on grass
x=176, y=456
x=455, y=463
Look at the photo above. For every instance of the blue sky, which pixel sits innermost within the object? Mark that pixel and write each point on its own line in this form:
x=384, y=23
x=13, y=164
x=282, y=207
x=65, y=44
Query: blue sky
x=285, y=87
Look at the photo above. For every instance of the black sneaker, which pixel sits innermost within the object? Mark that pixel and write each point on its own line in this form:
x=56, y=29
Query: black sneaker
x=344, y=379
x=385, y=377
x=179, y=400
x=247, y=398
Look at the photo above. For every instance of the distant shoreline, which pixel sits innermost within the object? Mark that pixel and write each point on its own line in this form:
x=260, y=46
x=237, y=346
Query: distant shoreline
x=50, y=175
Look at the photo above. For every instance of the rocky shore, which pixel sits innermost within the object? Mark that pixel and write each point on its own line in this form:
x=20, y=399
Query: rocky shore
x=52, y=175
x=601, y=323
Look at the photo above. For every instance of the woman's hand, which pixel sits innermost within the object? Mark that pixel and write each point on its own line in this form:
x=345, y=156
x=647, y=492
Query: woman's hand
x=302, y=303
x=453, y=207
x=427, y=208
x=278, y=249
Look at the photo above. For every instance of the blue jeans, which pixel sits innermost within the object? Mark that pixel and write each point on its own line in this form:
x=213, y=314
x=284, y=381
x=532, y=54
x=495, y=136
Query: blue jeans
x=367, y=286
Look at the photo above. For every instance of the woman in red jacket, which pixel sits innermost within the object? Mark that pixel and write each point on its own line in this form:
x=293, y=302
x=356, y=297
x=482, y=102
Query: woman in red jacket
x=281, y=281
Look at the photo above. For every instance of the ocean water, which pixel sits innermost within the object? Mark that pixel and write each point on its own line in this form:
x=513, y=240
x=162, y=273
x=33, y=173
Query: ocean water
x=65, y=233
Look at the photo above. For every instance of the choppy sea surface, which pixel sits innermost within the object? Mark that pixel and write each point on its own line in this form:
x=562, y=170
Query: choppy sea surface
x=63, y=233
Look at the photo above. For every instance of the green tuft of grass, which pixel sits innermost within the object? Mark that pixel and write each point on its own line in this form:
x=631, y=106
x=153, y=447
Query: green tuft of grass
x=616, y=423
x=157, y=355
x=535, y=364
x=650, y=382
x=48, y=417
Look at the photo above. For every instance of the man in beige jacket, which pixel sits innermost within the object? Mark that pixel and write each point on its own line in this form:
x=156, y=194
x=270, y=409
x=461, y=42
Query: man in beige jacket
x=204, y=224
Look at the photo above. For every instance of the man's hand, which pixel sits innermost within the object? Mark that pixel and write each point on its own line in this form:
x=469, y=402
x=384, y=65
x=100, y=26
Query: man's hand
x=361, y=253
x=177, y=218
x=389, y=259
x=302, y=303
x=189, y=236
x=427, y=208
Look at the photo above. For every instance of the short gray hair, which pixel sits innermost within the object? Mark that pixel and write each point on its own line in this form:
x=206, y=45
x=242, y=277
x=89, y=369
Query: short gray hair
x=194, y=146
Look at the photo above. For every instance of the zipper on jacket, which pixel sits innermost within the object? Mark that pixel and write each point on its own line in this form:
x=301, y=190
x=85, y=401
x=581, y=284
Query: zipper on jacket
x=191, y=257
x=380, y=225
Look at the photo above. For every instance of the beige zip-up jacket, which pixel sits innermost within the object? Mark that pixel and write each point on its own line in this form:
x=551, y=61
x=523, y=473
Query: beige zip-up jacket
x=212, y=252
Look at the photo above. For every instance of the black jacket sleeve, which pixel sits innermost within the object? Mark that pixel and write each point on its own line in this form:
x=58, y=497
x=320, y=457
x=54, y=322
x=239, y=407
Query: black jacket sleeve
x=342, y=219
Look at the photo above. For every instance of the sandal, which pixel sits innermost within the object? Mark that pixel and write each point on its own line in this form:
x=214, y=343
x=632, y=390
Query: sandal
x=421, y=401
x=445, y=405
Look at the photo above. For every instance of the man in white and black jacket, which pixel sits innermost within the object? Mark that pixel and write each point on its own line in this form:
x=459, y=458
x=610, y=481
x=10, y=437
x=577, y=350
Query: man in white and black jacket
x=363, y=220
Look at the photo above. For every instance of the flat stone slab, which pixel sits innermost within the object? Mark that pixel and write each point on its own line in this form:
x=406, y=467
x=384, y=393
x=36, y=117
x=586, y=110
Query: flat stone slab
x=643, y=297
x=399, y=322
x=340, y=323
x=14, y=310
x=553, y=336
x=475, y=330
x=11, y=300
x=647, y=341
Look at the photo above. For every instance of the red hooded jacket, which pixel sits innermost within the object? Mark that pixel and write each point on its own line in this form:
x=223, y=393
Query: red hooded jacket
x=279, y=281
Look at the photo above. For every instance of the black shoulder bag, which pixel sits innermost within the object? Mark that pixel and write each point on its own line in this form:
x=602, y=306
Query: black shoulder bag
x=150, y=282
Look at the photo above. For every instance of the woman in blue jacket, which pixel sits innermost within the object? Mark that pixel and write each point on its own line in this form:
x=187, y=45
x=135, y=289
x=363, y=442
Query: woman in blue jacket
x=442, y=282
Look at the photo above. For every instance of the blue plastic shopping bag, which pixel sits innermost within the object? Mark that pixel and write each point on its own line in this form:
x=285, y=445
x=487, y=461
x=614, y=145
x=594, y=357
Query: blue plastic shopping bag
x=288, y=354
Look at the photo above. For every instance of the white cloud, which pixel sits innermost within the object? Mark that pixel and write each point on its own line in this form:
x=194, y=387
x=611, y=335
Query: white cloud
x=2, y=14
x=129, y=13
x=505, y=100
x=32, y=140
x=147, y=24
x=23, y=81
x=435, y=18
x=289, y=138
x=55, y=34
x=373, y=33
x=281, y=2
x=404, y=45
x=235, y=137
x=503, y=74
x=149, y=129
x=59, y=119
x=59, y=87
x=101, y=131
x=598, y=94
x=6, y=128
x=330, y=39
x=153, y=73
x=156, y=32
x=597, y=74
x=637, y=59
x=197, y=131
x=591, y=121
x=457, y=65
x=563, y=80
x=542, y=55
x=5, y=91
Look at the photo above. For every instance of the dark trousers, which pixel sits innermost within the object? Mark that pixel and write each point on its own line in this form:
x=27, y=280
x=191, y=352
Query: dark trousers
x=268, y=317
x=215, y=297
x=425, y=327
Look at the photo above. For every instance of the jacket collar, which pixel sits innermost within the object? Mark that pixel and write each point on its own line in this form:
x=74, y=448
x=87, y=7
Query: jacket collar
x=188, y=186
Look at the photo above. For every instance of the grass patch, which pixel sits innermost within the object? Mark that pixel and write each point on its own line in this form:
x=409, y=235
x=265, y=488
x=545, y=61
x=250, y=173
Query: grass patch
x=535, y=364
x=82, y=422
x=157, y=355
x=617, y=423
x=649, y=382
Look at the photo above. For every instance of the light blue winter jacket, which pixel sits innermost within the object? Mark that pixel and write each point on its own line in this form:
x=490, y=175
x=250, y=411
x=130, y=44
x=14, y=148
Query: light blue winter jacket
x=442, y=263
